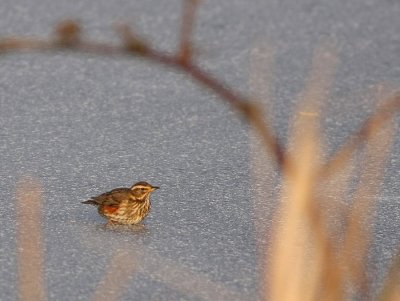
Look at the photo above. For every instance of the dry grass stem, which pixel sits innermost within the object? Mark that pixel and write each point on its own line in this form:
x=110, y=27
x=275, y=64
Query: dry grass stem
x=306, y=261
x=372, y=125
x=30, y=248
x=358, y=233
x=183, y=279
x=144, y=261
x=294, y=252
x=118, y=275
x=263, y=171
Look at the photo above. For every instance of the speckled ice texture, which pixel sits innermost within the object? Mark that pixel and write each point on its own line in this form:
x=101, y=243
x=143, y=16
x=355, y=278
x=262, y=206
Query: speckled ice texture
x=83, y=125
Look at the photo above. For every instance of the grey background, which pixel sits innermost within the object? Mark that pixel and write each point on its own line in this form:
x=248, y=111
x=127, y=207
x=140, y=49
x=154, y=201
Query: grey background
x=83, y=125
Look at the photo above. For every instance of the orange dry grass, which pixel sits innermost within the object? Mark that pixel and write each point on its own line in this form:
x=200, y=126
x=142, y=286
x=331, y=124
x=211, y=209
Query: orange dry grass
x=310, y=260
x=294, y=253
x=30, y=240
x=320, y=244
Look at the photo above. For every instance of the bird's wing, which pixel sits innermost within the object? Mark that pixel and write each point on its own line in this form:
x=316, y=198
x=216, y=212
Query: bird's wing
x=112, y=198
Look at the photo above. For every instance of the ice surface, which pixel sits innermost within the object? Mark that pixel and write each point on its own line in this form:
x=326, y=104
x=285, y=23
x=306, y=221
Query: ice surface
x=83, y=125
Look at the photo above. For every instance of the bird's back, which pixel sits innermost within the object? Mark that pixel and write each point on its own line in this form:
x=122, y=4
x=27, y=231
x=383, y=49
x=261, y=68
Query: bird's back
x=113, y=197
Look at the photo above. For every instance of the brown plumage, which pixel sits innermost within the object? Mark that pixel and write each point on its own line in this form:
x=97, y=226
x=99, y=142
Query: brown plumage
x=125, y=205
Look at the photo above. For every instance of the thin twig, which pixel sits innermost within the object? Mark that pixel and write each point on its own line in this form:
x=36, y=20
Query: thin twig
x=188, y=18
x=368, y=130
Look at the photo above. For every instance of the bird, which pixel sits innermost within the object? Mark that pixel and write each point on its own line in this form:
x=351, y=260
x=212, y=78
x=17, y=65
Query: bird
x=126, y=206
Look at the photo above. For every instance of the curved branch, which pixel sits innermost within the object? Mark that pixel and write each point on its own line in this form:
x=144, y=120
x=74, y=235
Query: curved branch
x=67, y=39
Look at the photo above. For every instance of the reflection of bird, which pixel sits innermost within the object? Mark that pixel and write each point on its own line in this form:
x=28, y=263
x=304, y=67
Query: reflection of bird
x=125, y=205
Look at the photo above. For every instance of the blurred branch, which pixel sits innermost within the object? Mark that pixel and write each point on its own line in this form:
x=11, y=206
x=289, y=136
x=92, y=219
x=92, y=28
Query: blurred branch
x=68, y=37
x=358, y=233
x=369, y=129
x=132, y=42
x=188, y=18
x=68, y=33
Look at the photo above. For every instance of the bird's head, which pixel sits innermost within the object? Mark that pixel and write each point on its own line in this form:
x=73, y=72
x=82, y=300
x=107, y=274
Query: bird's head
x=142, y=189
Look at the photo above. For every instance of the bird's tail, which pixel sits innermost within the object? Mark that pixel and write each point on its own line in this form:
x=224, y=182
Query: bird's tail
x=91, y=202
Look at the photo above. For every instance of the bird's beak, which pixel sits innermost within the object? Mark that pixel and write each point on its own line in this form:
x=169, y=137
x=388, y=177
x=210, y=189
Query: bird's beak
x=155, y=187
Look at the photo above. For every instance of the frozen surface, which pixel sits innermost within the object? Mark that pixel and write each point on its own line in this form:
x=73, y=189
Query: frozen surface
x=83, y=125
